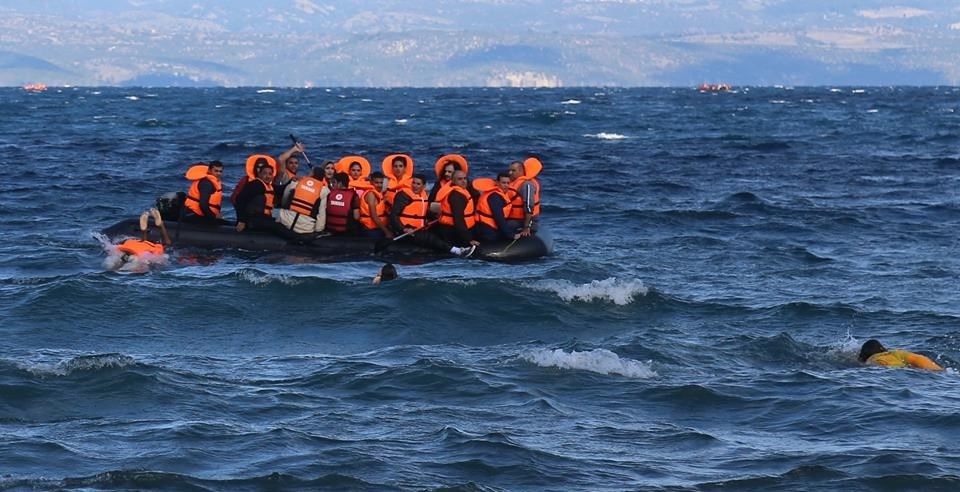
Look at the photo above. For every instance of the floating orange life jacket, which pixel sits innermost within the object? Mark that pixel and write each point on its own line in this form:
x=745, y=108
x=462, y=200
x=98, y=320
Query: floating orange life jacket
x=139, y=247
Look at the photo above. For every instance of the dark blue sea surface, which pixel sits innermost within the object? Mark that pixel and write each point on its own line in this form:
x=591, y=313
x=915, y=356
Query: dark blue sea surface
x=719, y=260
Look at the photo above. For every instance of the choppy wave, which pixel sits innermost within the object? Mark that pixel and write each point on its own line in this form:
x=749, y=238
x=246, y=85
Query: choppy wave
x=617, y=291
x=601, y=361
x=718, y=262
x=606, y=136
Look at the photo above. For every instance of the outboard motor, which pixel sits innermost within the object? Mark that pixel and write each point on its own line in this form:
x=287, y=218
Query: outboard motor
x=171, y=204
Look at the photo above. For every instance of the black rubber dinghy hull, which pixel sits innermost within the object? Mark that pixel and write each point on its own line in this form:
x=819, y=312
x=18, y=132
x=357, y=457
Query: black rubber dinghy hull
x=329, y=248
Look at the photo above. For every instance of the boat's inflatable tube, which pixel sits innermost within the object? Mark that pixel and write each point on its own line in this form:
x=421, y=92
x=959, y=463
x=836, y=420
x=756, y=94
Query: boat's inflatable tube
x=329, y=248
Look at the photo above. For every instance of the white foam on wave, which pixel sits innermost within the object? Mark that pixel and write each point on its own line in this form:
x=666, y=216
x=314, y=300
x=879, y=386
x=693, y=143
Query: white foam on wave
x=256, y=277
x=606, y=136
x=620, y=292
x=601, y=361
x=401, y=121
x=266, y=91
x=132, y=98
x=81, y=363
x=570, y=101
x=134, y=264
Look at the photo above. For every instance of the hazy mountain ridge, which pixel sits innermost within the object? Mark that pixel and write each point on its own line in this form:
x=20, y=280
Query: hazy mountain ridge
x=480, y=43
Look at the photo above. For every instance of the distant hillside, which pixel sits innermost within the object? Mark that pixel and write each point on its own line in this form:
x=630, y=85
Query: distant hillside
x=480, y=43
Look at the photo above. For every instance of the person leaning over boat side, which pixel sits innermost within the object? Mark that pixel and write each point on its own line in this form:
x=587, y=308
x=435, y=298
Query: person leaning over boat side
x=373, y=209
x=493, y=207
x=304, y=204
x=343, y=207
x=457, y=214
x=873, y=353
x=524, y=196
x=134, y=251
x=205, y=197
x=142, y=246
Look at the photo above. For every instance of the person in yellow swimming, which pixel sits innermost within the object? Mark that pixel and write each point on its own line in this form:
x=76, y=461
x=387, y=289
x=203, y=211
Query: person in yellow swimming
x=875, y=354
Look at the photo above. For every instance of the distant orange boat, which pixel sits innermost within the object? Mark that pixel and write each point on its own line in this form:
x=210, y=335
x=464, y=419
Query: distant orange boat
x=705, y=87
x=35, y=87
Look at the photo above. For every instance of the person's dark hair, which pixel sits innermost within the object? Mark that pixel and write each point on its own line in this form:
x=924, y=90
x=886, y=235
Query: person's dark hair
x=260, y=164
x=215, y=164
x=375, y=175
x=421, y=177
x=388, y=272
x=870, y=347
x=317, y=172
x=341, y=178
x=502, y=175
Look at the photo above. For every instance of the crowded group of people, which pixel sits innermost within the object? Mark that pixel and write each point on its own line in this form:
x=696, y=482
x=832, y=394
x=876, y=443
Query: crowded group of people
x=347, y=197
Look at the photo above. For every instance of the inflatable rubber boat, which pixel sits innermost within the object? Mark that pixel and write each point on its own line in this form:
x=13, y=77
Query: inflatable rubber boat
x=329, y=248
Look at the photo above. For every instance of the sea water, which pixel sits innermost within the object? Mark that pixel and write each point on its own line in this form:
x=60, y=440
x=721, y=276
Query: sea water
x=719, y=260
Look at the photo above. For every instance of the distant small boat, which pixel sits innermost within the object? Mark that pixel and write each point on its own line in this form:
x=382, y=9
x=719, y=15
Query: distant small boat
x=722, y=87
x=35, y=87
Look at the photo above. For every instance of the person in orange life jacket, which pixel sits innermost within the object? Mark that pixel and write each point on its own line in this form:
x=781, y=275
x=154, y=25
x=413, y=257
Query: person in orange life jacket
x=492, y=208
x=373, y=210
x=304, y=204
x=343, y=207
x=288, y=172
x=875, y=354
x=329, y=169
x=525, y=196
x=457, y=215
x=444, y=169
x=255, y=202
x=205, y=197
x=398, y=170
x=409, y=214
x=250, y=174
x=138, y=247
x=410, y=206
x=358, y=169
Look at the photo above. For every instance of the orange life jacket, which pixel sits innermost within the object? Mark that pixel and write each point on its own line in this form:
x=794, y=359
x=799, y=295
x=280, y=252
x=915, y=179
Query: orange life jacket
x=396, y=183
x=365, y=216
x=305, y=196
x=338, y=209
x=415, y=213
x=485, y=213
x=446, y=211
x=517, y=209
x=268, y=197
x=139, y=247
x=193, y=196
